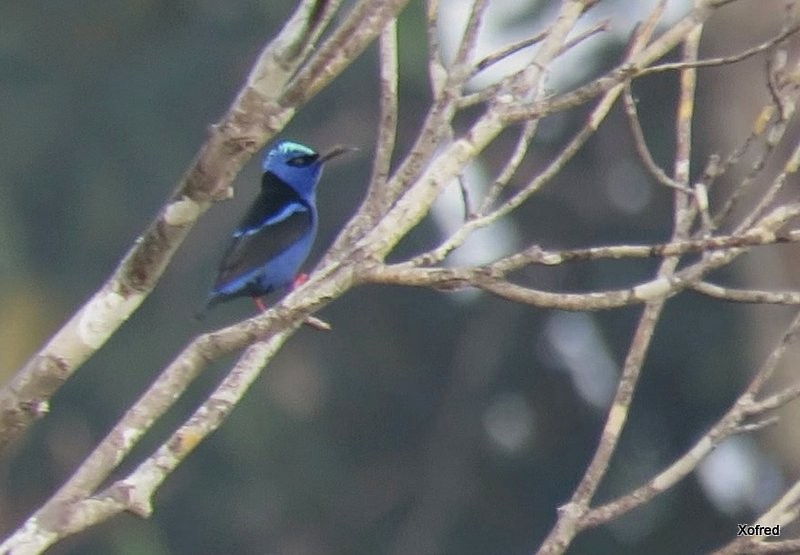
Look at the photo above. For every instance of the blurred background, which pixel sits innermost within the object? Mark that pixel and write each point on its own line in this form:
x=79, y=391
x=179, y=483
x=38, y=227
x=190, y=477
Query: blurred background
x=426, y=422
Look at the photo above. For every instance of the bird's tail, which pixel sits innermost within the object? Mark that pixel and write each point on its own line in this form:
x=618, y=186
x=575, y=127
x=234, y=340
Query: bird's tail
x=213, y=300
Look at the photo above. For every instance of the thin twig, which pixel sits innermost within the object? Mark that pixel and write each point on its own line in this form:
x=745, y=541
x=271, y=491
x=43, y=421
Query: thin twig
x=510, y=167
x=789, y=168
x=507, y=51
x=572, y=515
x=722, y=60
x=376, y=201
x=753, y=296
x=469, y=40
x=773, y=122
x=457, y=238
x=745, y=407
x=640, y=143
x=537, y=255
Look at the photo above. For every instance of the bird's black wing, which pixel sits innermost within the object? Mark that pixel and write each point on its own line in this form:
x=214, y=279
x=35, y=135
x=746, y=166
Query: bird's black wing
x=277, y=219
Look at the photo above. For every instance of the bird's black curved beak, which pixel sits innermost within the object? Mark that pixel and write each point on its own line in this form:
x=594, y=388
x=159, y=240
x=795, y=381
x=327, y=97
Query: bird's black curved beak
x=336, y=151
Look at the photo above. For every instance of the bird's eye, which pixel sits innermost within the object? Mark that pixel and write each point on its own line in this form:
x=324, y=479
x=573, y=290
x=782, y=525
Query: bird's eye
x=302, y=160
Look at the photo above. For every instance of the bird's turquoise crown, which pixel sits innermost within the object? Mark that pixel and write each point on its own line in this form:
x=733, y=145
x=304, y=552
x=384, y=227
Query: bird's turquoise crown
x=288, y=147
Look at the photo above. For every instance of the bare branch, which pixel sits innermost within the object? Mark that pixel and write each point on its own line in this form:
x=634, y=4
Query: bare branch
x=469, y=40
x=731, y=423
x=66, y=512
x=628, y=70
x=772, y=122
x=289, y=72
x=363, y=24
x=571, y=515
x=387, y=130
x=507, y=51
x=747, y=295
x=252, y=119
x=724, y=60
x=641, y=144
x=457, y=238
x=491, y=277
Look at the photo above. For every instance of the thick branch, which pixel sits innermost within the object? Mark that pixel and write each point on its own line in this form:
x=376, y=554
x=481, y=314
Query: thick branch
x=251, y=120
x=74, y=507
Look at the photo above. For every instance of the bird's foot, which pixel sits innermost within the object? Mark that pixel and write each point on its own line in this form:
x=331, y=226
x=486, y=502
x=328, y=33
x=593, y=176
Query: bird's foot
x=299, y=280
x=260, y=304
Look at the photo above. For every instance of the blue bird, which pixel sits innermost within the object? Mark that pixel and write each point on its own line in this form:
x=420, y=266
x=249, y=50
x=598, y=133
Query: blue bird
x=275, y=236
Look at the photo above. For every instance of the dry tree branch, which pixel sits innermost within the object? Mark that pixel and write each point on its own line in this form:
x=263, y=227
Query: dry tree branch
x=251, y=120
x=387, y=128
x=395, y=203
x=643, y=32
x=702, y=10
x=469, y=40
x=510, y=168
x=491, y=277
x=71, y=510
x=265, y=104
x=73, y=507
x=756, y=236
x=790, y=167
x=640, y=143
x=363, y=23
x=724, y=60
x=771, y=122
x=506, y=51
x=571, y=516
x=63, y=514
x=745, y=407
x=488, y=93
x=753, y=296
x=378, y=196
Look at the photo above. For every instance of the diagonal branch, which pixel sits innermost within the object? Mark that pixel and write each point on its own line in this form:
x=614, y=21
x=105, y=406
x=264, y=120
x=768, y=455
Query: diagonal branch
x=250, y=121
x=746, y=406
x=571, y=515
x=74, y=506
x=273, y=91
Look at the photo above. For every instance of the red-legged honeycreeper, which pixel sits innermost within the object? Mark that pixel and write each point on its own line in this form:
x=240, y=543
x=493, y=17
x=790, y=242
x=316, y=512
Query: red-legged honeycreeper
x=275, y=236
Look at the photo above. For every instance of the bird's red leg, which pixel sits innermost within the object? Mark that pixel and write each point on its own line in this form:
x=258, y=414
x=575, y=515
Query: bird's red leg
x=299, y=280
x=260, y=304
